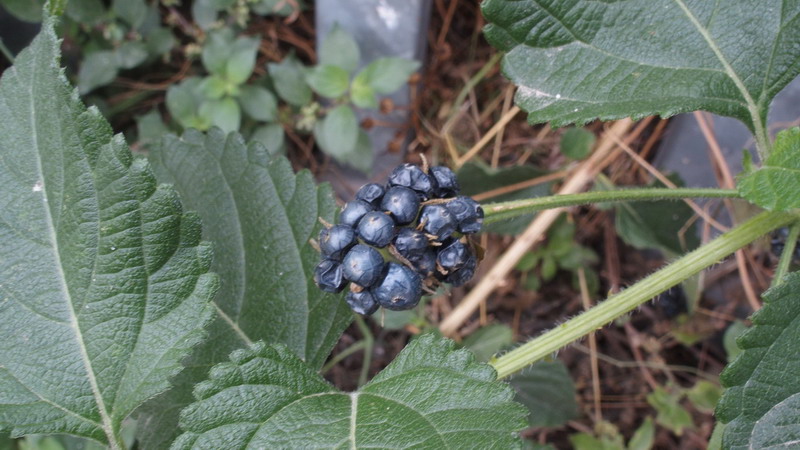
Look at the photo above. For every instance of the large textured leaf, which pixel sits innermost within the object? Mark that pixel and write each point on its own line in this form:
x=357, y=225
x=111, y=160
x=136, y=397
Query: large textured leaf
x=260, y=216
x=429, y=397
x=775, y=185
x=761, y=404
x=576, y=60
x=103, y=279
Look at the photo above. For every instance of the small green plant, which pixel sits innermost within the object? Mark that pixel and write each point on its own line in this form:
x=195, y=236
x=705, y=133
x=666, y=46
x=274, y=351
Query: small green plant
x=115, y=306
x=286, y=97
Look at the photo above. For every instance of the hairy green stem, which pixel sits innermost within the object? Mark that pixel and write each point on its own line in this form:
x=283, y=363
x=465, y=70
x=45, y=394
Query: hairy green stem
x=627, y=300
x=369, y=343
x=359, y=345
x=506, y=210
x=786, y=255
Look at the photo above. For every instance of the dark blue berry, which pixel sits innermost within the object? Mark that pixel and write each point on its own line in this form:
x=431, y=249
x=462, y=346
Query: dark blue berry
x=362, y=302
x=399, y=289
x=453, y=255
x=362, y=265
x=445, y=182
x=463, y=274
x=671, y=302
x=438, y=221
x=328, y=276
x=353, y=212
x=371, y=193
x=402, y=202
x=412, y=177
x=376, y=228
x=410, y=243
x=336, y=240
x=425, y=264
x=468, y=213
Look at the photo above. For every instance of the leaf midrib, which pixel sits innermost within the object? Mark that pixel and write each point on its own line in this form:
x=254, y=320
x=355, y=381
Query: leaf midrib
x=107, y=424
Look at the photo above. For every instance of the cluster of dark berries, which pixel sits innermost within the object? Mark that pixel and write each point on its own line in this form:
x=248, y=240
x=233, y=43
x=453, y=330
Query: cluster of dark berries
x=778, y=241
x=418, y=222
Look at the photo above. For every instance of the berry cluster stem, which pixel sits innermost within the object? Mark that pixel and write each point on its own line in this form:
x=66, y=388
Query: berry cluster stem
x=627, y=300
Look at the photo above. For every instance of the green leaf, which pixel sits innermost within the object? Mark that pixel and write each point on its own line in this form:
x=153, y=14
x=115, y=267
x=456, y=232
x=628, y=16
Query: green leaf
x=430, y=396
x=183, y=101
x=337, y=133
x=258, y=103
x=131, y=54
x=577, y=143
x=131, y=11
x=88, y=12
x=242, y=59
x=277, y=7
x=578, y=60
x=660, y=225
x=25, y=10
x=339, y=49
x=362, y=95
x=489, y=340
x=289, y=79
x=105, y=281
x=775, y=185
x=328, y=81
x=361, y=157
x=97, y=69
x=476, y=178
x=386, y=75
x=260, y=216
x=547, y=390
x=732, y=333
x=159, y=41
x=204, y=13
x=150, y=128
x=272, y=137
x=217, y=51
x=644, y=436
x=213, y=87
x=671, y=414
x=704, y=395
x=224, y=113
x=762, y=381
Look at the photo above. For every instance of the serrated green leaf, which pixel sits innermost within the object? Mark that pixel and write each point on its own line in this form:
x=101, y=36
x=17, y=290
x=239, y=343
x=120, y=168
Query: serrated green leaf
x=339, y=49
x=204, y=13
x=159, y=41
x=704, y=395
x=386, y=75
x=217, y=50
x=213, y=87
x=775, y=185
x=105, y=281
x=183, y=102
x=732, y=333
x=260, y=215
x=97, y=69
x=547, y=390
x=644, y=436
x=430, y=396
x=362, y=95
x=764, y=375
x=578, y=60
x=476, y=178
x=242, y=59
x=489, y=340
x=577, y=143
x=289, y=79
x=328, y=80
x=258, y=103
x=86, y=11
x=337, y=133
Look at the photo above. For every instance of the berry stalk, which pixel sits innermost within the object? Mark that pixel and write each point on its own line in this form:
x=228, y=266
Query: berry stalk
x=627, y=300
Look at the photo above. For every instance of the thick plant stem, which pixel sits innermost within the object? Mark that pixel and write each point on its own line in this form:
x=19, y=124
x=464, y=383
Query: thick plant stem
x=495, y=212
x=786, y=255
x=627, y=300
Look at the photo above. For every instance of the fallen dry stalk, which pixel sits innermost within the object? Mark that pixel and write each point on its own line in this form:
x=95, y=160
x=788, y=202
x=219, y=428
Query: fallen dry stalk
x=535, y=231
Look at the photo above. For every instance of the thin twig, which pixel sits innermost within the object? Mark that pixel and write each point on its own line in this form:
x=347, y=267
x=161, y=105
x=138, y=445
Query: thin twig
x=519, y=186
x=488, y=136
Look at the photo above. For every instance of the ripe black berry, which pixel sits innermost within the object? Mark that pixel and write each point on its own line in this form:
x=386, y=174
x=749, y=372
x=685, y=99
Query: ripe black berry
x=453, y=255
x=425, y=264
x=403, y=203
x=376, y=228
x=468, y=214
x=399, y=289
x=371, y=193
x=412, y=177
x=353, y=211
x=336, y=240
x=463, y=274
x=362, y=265
x=328, y=276
x=437, y=221
x=410, y=243
x=362, y=302
x=445, y=182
